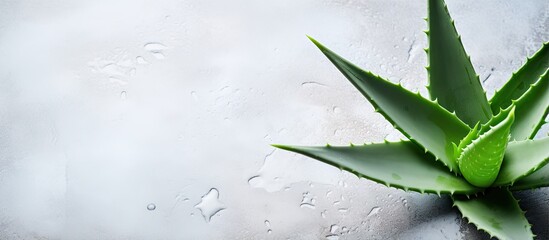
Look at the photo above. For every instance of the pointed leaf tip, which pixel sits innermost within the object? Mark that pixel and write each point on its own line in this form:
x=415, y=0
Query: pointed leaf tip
x=452, y=77
x=397, y=164
x=422, y=121
x=528, y=74
x=284, y=147
x=317, y=43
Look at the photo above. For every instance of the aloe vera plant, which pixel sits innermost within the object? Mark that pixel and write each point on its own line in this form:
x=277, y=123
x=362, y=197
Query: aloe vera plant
x=459, y=143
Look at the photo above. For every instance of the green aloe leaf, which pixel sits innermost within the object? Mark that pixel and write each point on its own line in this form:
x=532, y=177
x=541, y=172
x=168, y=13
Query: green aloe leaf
x=531, y=110
x=421, y=120
x=518, y=84
x=538, y=179
x=524, y=158
x=497, y=212
x=452, y=78
x=401, y=165
x=480, y=161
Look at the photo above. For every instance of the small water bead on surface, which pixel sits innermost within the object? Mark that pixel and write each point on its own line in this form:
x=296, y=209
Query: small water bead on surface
x=123, y=95
x=156, y=49
x=312, y=83
x=336, y=110
x=210, y=204
x=374, y=211
x=333, y=232
x=334, y=228
x=151, y=207
x=268, y=225
x=255, y=181
x=308, y=201
x=141, y=60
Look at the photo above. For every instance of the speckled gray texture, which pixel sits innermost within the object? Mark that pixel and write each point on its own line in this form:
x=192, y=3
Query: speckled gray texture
x=109, y=106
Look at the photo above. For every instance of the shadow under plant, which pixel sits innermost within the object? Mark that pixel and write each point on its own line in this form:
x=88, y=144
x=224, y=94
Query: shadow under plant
x=477, y=151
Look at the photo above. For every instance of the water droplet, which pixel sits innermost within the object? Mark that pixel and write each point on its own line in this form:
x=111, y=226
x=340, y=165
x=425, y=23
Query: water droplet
x=342, y=183
x=210, y=204
x=323, y=214
x=123, y=95
x=334, y=228
x=255, y=181
x=269, y=231
x=333, y=232
x=312, y=83
x=343, y=209
x=194, y=95
x=151, y=207
x=308, y=201
x=141, y=60
x=156, y=49
x=374, y=211
x=267, y=223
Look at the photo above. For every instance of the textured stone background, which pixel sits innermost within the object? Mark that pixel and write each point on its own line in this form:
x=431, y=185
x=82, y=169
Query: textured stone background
x=109, y=106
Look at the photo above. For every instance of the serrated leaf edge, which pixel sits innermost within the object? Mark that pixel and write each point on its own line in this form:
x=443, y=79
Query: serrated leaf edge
x=380, y=111
x=493, y=235
x=359, y=175
x=520, y=70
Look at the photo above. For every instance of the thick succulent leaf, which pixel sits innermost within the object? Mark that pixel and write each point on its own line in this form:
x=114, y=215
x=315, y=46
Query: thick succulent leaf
x=528, y=74
x=472, y=135
x=480, y=161
x=531, y=110
x=452, y=78
x=538, y=179
x=421, y=120
x=521, y=159
x=401, y=165
x=497, y=213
